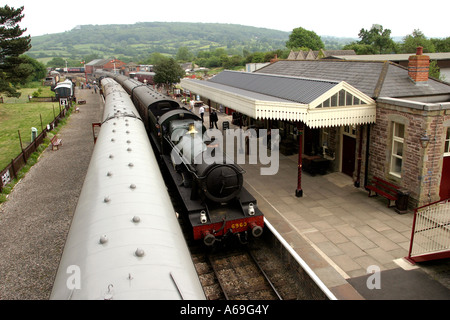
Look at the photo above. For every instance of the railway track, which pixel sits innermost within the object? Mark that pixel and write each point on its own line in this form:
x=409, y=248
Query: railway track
x=256, y=271
x=244, y=273
x=241, y=277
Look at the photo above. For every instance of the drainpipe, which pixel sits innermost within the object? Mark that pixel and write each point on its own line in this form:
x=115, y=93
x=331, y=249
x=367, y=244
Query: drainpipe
x=358, y=172
x=366, y=169
x=299, y=191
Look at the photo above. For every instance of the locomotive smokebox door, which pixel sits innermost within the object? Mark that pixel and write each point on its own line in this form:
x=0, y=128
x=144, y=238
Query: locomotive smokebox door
x=221, y=183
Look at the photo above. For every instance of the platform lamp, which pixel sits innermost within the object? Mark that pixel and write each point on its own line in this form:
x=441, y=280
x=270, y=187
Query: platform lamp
x=424, y=140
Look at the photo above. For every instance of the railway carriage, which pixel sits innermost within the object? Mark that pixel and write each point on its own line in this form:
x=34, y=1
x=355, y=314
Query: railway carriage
x=64, y=89
x=125, y=241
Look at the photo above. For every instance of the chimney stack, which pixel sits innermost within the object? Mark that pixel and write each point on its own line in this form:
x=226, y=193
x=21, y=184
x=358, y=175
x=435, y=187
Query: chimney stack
x=275, y=59
x=419, y=67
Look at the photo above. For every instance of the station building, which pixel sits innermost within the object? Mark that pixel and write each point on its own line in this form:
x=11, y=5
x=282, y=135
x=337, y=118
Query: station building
x=110, y=65
x=361, y=118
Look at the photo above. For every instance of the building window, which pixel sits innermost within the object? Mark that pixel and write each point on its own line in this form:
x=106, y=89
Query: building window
x=447, y=144
x=350, y=131
x=398, y=140
x=341, y=99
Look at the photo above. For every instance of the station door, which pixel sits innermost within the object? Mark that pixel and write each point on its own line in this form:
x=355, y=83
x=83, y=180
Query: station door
x=444, y=192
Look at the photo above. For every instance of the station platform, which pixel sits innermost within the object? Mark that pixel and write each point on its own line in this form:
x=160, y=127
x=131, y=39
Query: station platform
x=343, y=235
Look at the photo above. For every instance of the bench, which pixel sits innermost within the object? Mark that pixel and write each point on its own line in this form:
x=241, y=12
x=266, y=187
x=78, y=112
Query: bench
x=315, y=164
x=56, y=142
x=383, y=188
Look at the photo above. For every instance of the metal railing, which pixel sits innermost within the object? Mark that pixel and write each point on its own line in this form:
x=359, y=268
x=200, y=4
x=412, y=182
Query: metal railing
x=430, y=237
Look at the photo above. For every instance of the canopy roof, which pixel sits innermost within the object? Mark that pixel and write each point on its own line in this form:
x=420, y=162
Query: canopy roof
x=316, y=102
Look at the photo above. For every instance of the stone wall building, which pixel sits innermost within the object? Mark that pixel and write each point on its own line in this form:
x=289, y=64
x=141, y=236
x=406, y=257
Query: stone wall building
x=110, y=65
x=375, y=118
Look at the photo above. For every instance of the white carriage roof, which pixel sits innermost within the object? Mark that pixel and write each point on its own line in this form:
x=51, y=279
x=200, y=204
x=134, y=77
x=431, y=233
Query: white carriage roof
x=316, y=102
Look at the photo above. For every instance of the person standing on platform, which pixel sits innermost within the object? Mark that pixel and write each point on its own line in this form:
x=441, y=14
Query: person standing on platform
x=213, y=118
x=201, y=110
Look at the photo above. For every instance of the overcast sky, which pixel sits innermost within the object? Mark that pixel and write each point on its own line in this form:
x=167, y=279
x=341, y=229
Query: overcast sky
x=325, y=17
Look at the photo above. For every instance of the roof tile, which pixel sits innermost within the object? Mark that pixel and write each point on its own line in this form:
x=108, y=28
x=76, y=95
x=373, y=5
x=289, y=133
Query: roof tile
x=363, y=75
x=290, y=88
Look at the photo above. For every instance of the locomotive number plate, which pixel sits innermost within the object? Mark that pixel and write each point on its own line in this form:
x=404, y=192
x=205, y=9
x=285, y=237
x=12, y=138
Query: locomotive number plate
x=238, y=225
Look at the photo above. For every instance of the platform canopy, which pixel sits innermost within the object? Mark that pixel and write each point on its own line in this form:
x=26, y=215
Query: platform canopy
x=315, y=102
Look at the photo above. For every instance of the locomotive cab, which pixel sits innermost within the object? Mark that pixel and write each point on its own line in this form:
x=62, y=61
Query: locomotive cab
x=179, y=128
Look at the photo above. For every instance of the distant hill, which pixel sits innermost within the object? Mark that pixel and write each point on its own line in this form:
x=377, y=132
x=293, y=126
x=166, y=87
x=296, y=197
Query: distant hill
x=137, y=41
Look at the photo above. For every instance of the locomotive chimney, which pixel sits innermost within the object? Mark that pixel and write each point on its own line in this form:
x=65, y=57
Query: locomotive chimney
x=419, y=67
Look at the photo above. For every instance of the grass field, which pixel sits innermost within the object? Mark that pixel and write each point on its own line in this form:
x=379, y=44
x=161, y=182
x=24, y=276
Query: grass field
x=19, y=115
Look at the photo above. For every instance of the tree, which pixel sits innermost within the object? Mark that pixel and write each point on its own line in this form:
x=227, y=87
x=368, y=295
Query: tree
x=155, y=59
x=14, y=69
x=233, y=61
x=57, y=63
x=435, y=71
x=360, y=48
x=441, y=45
x=378, y=38
x=304, y=38
x=417, y=39
x=39, y=70
x=168, y=72
x=91, y=56
x=183, y=54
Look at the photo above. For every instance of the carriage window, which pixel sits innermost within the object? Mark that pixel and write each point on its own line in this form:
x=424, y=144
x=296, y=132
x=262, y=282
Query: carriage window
x=398, y=139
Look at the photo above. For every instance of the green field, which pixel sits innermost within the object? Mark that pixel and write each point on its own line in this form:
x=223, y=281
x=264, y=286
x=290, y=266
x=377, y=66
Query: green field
x=19, y=115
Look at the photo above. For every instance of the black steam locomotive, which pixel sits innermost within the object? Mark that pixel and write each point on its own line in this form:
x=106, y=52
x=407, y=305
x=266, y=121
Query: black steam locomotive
x=215, y=202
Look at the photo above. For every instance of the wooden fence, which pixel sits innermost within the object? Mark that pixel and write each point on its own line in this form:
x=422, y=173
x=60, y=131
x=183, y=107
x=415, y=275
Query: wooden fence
x=42, y=99
x=13, y=168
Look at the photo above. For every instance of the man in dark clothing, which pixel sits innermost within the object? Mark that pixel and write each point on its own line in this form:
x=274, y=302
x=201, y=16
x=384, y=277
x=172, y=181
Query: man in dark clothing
x=213, y=118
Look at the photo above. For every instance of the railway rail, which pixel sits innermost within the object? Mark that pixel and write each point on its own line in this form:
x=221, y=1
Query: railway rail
x=241, y=272
x=245, y=273
x=241, y=276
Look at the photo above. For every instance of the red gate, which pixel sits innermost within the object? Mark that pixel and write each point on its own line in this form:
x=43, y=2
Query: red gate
x=430, y=238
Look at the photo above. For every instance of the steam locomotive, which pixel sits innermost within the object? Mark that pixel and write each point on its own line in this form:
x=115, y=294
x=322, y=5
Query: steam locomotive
x=215, y=203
